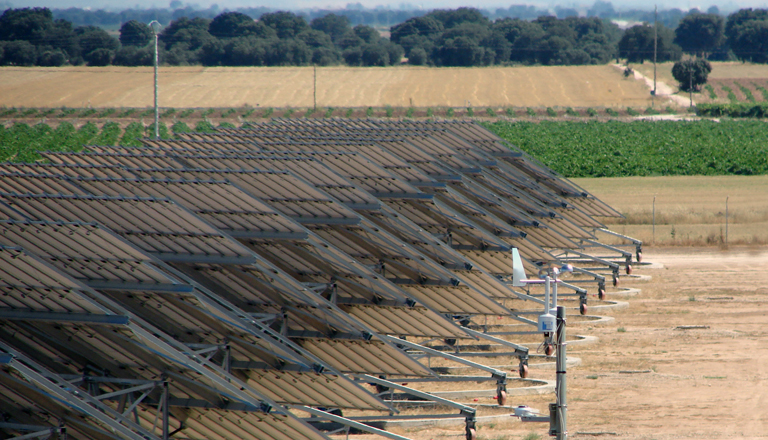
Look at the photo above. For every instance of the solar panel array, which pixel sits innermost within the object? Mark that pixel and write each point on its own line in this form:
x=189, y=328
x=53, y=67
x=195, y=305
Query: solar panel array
x=221, y=285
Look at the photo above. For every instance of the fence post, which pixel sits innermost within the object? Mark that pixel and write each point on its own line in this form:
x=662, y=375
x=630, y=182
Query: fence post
x=726, y=221
x=654, y=220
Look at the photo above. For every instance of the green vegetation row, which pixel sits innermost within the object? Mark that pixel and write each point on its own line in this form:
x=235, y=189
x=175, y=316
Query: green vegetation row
x=21, y=142
x=572, y=148
x=250, y=113
x=734, y=110
x=642, y=148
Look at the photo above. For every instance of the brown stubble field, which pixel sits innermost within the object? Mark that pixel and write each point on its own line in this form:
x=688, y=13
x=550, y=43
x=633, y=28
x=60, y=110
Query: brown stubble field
x=690, y=210
x=280, y=87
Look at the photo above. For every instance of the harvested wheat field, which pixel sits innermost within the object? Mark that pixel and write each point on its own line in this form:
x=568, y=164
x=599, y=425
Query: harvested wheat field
x=188, y=87
x=690, y=210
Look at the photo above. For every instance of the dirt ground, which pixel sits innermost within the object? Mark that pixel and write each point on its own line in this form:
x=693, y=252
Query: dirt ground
x=648, y=379
x=188, y=87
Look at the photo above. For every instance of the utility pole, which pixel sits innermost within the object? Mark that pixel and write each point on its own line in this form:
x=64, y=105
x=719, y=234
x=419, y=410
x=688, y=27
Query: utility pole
x=690, y=82
x=155, y=25
x=655, y=49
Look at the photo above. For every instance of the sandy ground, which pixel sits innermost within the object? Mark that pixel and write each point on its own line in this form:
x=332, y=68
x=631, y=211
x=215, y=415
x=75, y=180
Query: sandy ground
x=527, y=86
x=648, y=379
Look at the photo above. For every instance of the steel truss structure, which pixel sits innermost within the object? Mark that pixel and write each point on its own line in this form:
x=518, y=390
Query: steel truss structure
x=256, y=282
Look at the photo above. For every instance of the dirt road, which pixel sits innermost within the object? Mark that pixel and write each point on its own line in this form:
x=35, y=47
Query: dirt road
x=647, y=378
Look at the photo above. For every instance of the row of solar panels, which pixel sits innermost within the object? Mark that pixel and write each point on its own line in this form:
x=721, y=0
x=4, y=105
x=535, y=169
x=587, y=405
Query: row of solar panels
x=220, y=285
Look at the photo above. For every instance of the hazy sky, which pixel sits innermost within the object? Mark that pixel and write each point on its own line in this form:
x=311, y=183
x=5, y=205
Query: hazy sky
x=426, y=4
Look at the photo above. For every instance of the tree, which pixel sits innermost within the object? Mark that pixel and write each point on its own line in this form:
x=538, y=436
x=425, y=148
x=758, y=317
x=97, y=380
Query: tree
x=417, y=57
x=18, y=53
x=97, y=46
x=751, y=42
x=28, y=24
x=700, y=33
x=333, y=25
x=523, y=36
x=455, y=17
x=236, y=24
x=286, y=24
x=375, y=55
x=427, y=27
x=134, y=33
x=691, y=73
x=636, y=45
x=184, y=39
x=746, y=32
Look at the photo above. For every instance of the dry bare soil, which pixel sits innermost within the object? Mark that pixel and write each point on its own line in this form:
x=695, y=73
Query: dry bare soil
x=187, y=87
x=688, y=359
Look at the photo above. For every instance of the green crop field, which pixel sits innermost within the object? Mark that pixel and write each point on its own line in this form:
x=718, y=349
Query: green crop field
x=642, y=148
x=572, y=148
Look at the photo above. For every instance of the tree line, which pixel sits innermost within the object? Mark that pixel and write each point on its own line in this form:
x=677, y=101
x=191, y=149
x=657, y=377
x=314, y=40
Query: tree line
x=459, y=37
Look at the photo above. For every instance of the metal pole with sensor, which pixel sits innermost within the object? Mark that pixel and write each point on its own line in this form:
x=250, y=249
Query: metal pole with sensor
x=550, y=325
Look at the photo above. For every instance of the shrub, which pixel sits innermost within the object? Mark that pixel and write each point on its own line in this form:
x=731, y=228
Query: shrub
x=731, y=95
x=180, y=127
x=267, y=113
x=734, y=110
x=470, y=112
x=288, y=113
x=389, y=111
x=611, y=112
x=490, y=112
x=133, y=132
x=571, y=112
x=249, y=112
x=110, y=133
x=106, y=113
x=369, y=112
x=747, y=93
x=204, y=127
x=349, y=112
x=510, y=112
x=632, y=112
x=651, y=111
x=551, y=112
x=162, y=131
x=328, y=112
x=762, y=90
x=711, y=91
x=186, y=113
x=429, y=112
x=310, y=112
x=449, y=113
x=409, y=112
x=591, y=112
x=530, y=112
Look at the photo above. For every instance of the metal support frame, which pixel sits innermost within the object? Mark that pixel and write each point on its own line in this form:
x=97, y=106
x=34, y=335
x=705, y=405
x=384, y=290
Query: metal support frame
x=521, y=350
x=348, y=422
x=58, y=388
